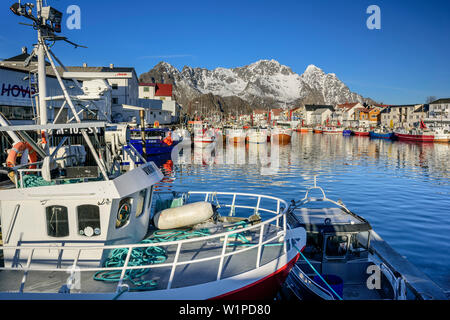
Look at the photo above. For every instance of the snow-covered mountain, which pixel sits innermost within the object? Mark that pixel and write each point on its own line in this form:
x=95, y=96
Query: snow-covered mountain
x=262, y=84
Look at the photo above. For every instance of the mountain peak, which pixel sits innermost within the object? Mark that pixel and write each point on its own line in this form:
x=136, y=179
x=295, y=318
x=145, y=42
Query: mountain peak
x=313, y=68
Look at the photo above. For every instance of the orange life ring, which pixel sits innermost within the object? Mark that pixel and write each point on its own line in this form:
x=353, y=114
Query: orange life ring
x=19, y=148
x=156, y=124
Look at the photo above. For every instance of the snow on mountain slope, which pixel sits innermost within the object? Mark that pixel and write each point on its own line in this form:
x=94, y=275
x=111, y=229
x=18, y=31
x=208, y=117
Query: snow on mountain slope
x=263, y=80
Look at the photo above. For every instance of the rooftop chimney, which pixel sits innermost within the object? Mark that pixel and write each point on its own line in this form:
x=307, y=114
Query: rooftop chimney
x=111, y=66
x=24, y=50
x=84, y=65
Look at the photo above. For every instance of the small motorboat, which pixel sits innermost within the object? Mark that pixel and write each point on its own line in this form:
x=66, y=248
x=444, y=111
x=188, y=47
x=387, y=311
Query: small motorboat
x=381, y=133
x=345, y=259
x=361, y=131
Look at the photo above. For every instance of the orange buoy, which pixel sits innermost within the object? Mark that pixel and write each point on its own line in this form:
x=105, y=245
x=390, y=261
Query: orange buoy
x=19, y=148
x=168, y=140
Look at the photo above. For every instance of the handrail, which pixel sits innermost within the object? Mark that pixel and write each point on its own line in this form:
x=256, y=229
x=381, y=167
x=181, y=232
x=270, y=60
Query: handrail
x=281, y=214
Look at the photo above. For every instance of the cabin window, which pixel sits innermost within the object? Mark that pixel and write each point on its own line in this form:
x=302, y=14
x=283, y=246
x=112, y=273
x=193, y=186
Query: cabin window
x=124, y=212
x=88, y=220
x=114, y=86
x=362, y=239
x=140, y=205
x=57, y=221
x=336, y=246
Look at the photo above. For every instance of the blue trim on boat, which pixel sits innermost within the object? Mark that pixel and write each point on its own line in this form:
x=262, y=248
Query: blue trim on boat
x=388, y=135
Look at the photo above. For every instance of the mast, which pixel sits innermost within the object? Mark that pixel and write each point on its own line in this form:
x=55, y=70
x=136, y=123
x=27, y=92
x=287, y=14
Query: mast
x=42, y=76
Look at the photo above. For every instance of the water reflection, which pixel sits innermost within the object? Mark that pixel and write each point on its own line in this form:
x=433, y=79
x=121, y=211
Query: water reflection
x=402, y=188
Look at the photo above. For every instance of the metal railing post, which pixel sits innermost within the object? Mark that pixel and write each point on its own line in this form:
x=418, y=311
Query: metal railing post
x=222, y=256
x=175, y=261
x=258, y=257
x=27, y=268
x=124, y=268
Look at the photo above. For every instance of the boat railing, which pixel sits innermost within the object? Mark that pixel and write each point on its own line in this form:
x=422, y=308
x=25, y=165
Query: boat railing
x=74, y=264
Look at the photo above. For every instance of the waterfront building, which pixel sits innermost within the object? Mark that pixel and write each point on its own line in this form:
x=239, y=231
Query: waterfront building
x=403, y=116
x=439, y=112
x=161, y=92
x=345, y=113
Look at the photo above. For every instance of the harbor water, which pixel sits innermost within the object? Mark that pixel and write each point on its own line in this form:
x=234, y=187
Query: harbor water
x=402, y=189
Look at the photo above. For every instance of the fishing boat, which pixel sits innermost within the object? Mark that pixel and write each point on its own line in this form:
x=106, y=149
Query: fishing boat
x=281, y=134
x=257, y=136
x=381, y=133
x=318, y=129
x=416, y=134
x=361, y=131
x=332, y=130
x=420, y=134
x=345, y=259
x=347, y=132
x=73, y=230
x=441, y=134
x=203, y=136
x=153, y=141
x=235, y=135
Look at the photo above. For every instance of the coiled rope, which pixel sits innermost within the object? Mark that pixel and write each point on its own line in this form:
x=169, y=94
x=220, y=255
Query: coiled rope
x=155, y=255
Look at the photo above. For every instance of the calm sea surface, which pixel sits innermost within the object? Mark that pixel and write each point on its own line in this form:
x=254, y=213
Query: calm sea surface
x=402, y=189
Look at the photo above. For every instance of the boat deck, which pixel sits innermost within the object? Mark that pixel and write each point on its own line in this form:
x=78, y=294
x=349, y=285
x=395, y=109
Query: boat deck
x=185, y=275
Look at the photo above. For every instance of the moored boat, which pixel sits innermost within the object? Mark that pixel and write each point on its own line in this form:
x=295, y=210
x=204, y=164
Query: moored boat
x=361, y=131
x=441, y=134
x=318, y=129
x=417, y=135
x=281, y=134
x=381, y=133
x=332, y=130
x=345, y=259
x=257, y=135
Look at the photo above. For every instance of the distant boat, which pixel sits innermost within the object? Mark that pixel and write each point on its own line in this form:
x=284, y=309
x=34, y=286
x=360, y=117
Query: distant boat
x=422, y=134
x=414, y=135
x=157, y=141
x=381, y=134
x=332, y=130
x=318, y=129
x=257, y=136
x=441, y=135
x=361, y=131
x=281, y=134
x=347, y=132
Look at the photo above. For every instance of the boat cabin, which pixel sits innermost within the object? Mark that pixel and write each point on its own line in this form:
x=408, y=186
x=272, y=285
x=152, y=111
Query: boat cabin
x=115, y=211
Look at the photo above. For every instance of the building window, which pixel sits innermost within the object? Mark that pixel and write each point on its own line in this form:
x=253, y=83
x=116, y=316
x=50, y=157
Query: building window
x=146, y=89
x=88, y=220
x=57, y=221
x=124, y=212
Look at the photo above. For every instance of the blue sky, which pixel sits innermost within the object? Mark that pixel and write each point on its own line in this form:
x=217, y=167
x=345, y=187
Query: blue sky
x=403, y=62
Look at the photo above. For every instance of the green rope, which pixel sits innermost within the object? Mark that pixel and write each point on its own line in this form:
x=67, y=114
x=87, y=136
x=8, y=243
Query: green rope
x=156, y=255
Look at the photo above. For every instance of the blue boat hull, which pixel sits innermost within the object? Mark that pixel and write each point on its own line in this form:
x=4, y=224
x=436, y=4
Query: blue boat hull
x=389, y=135
x=347, y=132
x=153, y=148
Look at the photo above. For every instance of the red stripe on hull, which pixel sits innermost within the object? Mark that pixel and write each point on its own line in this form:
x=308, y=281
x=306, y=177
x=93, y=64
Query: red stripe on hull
x=361, y=133
x=412, y=137
x=263, y=289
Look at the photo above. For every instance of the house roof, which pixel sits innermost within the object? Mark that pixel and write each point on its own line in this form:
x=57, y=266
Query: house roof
x=163, y=90
x=439, y=101
x=259, y=111
x=347, y=105
x=276, y=112
x=314, y=107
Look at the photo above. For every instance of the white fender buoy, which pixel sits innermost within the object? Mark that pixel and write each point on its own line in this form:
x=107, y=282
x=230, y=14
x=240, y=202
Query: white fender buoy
x=183, y=216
